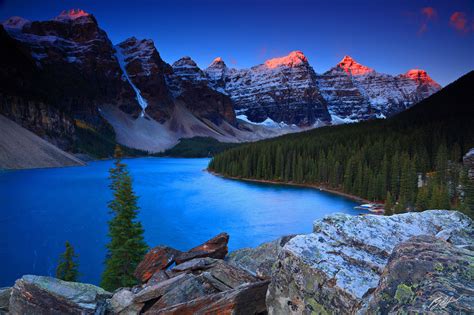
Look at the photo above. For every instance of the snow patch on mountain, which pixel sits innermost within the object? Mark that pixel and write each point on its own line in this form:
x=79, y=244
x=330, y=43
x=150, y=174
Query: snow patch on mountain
x=267, y=122
x=15, y=22
x=123, y=65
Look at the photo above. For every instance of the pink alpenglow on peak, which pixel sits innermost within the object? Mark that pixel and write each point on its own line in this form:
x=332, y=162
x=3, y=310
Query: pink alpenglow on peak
x=218, y=62
x=71, y=14
x=295, y=58
x=352, y=67
x=420, y=76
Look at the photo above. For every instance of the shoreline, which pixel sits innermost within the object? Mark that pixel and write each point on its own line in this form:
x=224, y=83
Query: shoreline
x=274, y=182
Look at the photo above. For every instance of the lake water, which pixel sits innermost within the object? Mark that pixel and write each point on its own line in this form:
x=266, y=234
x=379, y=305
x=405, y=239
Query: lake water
x=181, y=206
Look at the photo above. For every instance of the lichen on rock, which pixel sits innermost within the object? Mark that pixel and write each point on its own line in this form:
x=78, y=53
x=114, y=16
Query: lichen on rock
x=339, y=265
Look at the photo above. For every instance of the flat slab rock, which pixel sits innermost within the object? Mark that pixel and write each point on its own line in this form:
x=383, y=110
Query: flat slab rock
x=45, y=295
x=337, y=266
x=216, y=247
x=245, y=299
x=259, y=260
x=426, y=274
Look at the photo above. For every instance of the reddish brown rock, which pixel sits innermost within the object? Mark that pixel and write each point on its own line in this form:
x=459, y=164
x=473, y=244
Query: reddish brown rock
x=216, y=247
x=159, y=258
x=246, y=299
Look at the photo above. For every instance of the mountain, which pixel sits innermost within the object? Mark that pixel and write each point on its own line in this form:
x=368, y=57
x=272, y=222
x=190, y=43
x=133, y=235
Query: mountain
x=288, y=90
x=413, y=158
x=356, y=92
x=282, y=89
x=65, y=81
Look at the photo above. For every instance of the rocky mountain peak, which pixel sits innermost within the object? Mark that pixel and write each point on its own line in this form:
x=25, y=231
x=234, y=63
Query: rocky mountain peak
x=138, y=44
x=421, y=77
x=352, y=67
x=217, y=63
x=185, y=61
x=72, y=14
x=293, y=59
x=15, y=22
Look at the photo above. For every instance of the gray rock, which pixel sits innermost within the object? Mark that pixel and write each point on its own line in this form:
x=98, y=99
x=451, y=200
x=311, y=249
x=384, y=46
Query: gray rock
x=195, y=264
x=181, y=289
x=45, y=295
x=123, y=303
x=335, y=268
x=426, y=274
x=259, y=260
x=4, y=299
x=246, y=299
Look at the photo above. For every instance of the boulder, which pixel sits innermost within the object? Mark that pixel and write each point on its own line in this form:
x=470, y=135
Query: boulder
x=4, y=299
x=182, y=288
x=426, y=274
x=259, y=260
x=216, y=247
x=245, y=299
x=158, y=258
x=193, y=279
x=335, y=268
x=225, y=273
x=123, y=303
x=195, y=264
x=158, y=276
x=45, y=295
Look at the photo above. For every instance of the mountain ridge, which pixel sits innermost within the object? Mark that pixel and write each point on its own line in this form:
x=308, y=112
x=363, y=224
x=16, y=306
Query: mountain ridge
x=76, y=74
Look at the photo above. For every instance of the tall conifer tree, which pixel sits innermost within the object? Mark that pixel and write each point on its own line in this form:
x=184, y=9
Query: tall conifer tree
x=127, y=246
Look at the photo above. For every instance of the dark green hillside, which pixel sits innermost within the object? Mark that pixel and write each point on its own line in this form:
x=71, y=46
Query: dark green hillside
x=375, y=159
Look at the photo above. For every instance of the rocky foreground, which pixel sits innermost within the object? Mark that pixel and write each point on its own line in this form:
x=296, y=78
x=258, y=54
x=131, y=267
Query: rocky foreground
x=409, y=263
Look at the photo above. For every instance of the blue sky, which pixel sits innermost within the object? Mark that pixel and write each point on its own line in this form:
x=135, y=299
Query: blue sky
x=390, y=36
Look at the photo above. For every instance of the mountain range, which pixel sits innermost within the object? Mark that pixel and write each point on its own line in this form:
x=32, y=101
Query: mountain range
x=65, y=81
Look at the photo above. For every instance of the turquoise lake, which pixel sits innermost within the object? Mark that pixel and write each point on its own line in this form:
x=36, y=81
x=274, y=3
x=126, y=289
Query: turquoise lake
x=181, y=204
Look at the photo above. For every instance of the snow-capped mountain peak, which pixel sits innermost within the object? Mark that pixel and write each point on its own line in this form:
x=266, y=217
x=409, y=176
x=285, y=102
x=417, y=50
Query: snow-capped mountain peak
x=293, y=59
x=187, y=69
x=352, y=67
x=71, y=14
x=217, y=63
x=15, y=22
x=421, y=77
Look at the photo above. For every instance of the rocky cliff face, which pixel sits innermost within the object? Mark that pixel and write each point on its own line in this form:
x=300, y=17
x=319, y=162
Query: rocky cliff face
x=190, y=85
x=70, y=44
x=355, y=92
x=63, y=69
x=144, y=69
x=287, y=90
x=282, y=89
x=66, y=74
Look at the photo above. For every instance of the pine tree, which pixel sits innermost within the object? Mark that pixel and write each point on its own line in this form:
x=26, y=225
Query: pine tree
x=422, y=199
x=388, y=204
x=468, y=193
x=127, y=246
x=67, y=267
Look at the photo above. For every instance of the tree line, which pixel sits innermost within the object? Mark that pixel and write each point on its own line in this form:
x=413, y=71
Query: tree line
x=407, y=166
